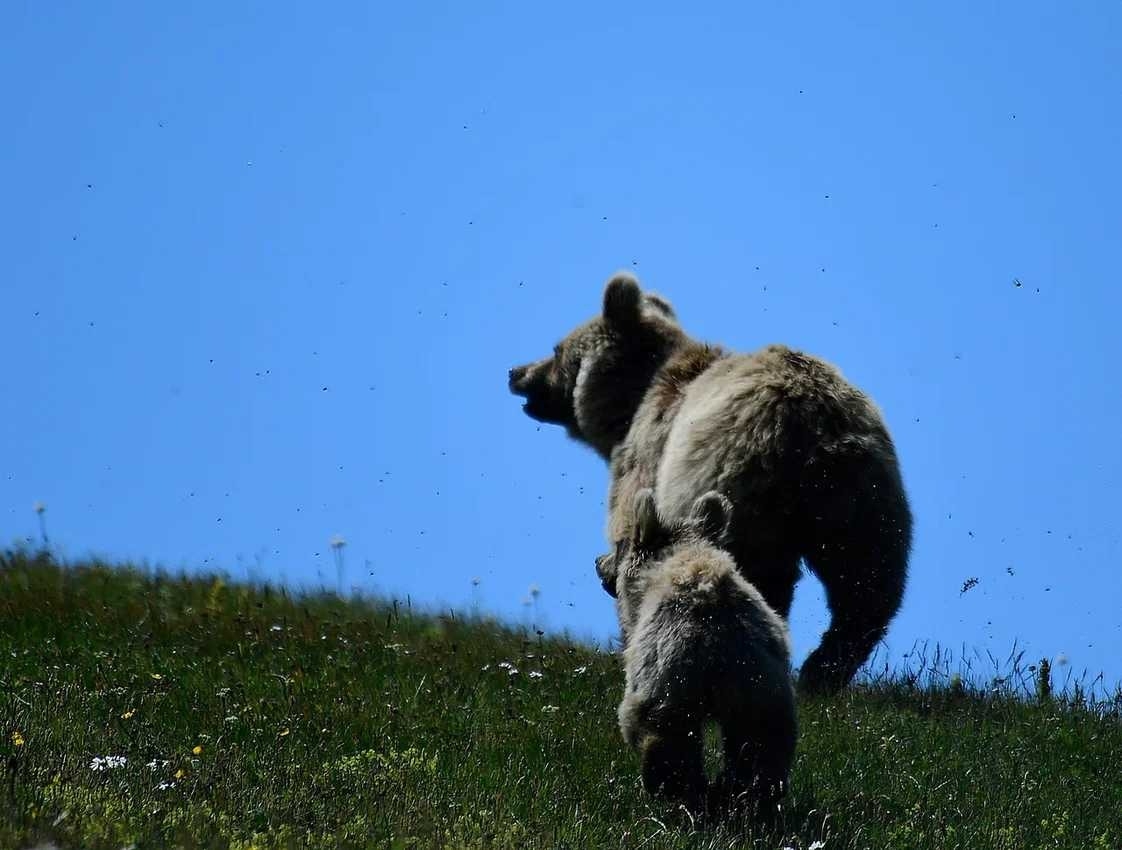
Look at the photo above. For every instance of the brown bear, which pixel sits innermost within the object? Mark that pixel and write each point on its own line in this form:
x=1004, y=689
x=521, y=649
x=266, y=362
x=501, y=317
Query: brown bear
x=803, y=456
x=701, y=645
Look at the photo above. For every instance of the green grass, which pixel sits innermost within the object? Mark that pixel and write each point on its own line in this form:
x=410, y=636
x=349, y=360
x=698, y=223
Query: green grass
x=252, y=718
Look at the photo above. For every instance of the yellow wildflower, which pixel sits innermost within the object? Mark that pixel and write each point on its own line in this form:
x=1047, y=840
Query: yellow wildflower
x=198, y=750
x=128, y=714
x=17, y=738
x=283, y=732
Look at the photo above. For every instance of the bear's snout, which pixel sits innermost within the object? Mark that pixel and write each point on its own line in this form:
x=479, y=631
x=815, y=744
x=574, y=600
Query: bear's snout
x=547, y=399
x=517, y=379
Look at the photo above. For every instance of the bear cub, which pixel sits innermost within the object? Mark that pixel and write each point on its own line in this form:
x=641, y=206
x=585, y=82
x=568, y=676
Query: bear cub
x=700, y=645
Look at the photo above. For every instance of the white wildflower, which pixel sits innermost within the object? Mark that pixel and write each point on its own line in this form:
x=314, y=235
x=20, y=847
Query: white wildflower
x=513, y=671
x=276, y=627
x=100, y=763
x=485, y=667
x=534, y=674
x=156, y=764
x=505, y=665
x=816, y=845
x=580, y=671
x=550, y=709
x=164, y=786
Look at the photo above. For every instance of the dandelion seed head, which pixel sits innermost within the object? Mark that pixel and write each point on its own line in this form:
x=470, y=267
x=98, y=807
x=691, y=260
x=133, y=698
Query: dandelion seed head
x=337, y=541
x=535, y=591
x=39, y=507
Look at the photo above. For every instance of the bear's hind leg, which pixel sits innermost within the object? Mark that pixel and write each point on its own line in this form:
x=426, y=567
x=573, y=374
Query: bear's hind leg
x=857, y=540
x=864, y=587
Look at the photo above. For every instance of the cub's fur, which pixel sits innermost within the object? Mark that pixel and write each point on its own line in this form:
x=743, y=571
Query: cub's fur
x=803, y=456
x=701, y=644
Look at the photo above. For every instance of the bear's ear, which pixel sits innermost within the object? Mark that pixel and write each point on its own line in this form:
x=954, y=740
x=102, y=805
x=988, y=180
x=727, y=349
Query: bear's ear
x=622, y=300
x=660, y=305
x=712, y=514
x=647, y=528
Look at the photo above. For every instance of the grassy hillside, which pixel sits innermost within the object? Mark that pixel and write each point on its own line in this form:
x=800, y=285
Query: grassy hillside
x=191, y=712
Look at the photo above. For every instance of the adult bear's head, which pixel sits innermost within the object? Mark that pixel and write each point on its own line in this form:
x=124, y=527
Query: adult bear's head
x=597, y=375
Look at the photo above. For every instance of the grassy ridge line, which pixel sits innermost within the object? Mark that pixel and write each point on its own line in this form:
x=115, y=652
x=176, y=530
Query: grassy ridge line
x=247, y=717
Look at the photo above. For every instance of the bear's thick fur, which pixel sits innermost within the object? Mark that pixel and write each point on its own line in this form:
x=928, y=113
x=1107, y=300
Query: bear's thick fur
x=803, y=456
x=701, y=644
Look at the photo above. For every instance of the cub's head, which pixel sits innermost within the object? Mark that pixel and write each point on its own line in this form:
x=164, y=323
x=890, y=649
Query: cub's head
x=653, y=541
x=597, y=375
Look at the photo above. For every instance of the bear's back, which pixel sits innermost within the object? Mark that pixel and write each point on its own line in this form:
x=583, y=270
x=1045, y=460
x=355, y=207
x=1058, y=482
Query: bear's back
x=760, y=414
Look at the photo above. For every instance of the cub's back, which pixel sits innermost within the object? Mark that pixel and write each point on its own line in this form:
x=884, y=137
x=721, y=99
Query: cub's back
x=701, y=623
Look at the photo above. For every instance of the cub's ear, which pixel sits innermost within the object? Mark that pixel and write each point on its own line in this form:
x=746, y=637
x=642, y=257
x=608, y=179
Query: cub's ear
x=711, y=514
x=623, y=300
x=647, y=527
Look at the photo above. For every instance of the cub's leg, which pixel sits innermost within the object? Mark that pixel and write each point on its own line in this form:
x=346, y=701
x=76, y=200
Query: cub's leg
x=759, y=746
x=669, y=744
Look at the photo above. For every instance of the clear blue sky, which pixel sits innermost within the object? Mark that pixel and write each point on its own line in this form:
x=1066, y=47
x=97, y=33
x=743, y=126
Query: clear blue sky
x=265, y=268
